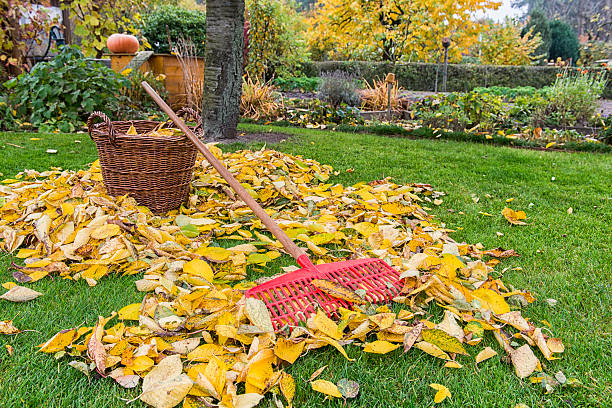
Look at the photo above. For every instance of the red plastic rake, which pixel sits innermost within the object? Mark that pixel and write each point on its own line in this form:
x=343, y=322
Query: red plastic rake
x=292, y=297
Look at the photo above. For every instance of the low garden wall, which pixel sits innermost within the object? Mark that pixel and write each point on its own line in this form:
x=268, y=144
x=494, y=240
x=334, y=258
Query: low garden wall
x=419, y=76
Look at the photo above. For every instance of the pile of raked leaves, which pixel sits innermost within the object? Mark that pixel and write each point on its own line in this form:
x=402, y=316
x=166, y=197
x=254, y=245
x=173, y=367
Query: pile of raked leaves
x=194, y=337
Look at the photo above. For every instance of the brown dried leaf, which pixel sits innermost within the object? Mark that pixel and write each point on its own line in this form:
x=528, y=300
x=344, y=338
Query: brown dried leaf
x=337, y=290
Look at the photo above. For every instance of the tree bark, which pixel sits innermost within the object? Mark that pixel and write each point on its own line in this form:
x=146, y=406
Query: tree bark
x=223, y=68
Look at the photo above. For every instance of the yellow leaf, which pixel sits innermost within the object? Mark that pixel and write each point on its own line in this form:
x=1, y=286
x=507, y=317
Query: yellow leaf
x=443, y=340
x=449, y=266
x=397, y=208
x=442, y=392
x=141, y=363
x=491, y=300
x=105, y=231
x=198, y=267
x=287, y=387
x=288, y=350
x=432, y=350
x=258, y=314
x=26, y=253
x=7, y=327
x=452, y=364
x=129, y=312
x=366, y=228
x=514, y=217
x=132, y=130
x=59, y=342
x=380, y=347
x=325, y=325
x=485, y=354
x=326, y=387
x=216, y=254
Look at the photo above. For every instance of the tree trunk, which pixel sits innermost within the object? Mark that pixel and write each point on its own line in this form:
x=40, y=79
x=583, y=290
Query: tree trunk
x=223, y=72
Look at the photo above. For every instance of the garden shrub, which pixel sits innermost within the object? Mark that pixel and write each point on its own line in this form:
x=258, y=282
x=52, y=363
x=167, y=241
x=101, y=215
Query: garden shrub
x=338, y=87
x=318, y=113
x=180, y=22
x=458, y=111
x=564, y=42
x=7, y=120
x=61, y=93
x=276, y=44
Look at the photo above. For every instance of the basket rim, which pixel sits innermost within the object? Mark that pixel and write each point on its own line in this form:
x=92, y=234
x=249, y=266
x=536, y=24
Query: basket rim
x=101, y=130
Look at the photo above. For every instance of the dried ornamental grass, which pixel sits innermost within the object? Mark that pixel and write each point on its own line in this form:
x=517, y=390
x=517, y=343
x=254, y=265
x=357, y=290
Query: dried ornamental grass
x=375, y=96
x=258, y=100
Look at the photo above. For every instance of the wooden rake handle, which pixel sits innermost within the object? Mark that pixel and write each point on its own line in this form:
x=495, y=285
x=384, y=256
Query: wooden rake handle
x=295, y=251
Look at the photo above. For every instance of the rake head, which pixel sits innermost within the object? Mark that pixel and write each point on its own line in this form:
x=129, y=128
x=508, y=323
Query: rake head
x=292, y=297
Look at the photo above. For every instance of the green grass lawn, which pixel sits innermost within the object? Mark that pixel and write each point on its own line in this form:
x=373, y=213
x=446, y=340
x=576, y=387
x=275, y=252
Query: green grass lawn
x=567, y=257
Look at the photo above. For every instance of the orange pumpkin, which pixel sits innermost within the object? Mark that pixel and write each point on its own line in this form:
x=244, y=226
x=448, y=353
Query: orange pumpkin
x=122, y=44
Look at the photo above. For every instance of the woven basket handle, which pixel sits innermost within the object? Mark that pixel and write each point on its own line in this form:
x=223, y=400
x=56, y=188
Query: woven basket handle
x=107, y=122
x=195, y=115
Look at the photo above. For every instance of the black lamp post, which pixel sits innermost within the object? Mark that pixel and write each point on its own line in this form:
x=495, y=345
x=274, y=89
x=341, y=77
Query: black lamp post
x=446, y=42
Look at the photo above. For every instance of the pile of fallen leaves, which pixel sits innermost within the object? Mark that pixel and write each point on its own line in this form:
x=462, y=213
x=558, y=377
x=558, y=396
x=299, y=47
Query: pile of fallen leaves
x=196, y=339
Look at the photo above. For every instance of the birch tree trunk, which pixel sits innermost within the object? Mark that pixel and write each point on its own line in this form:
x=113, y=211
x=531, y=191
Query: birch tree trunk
x=223, y=68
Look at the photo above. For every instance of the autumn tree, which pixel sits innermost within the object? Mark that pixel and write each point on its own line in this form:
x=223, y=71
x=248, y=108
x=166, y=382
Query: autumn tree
x=503, y=44
x=21, y=22
x=394, y=30
x=96, y=20
x=223, y=72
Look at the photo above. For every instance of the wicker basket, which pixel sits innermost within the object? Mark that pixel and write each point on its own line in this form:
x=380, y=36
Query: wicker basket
x=155, y=170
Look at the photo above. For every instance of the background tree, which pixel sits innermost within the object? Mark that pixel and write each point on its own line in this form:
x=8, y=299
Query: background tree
x=394, y=30
x=538, y=22
x=564, y=42
x=223, y=72
x=504, y=44
x=589, y=18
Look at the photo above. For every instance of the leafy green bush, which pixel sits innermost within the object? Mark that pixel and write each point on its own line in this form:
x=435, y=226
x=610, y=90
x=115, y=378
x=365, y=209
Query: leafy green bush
x=179, y=22
x=61, y=93
x=7, y=120
x=338, y=87
x=572, y=100
x=525, y=106
x=458, y=111
x=304, y=84
x=276, y=44
x=317, y=113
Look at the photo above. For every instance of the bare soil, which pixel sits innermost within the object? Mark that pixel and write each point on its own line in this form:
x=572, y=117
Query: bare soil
x=266, y=137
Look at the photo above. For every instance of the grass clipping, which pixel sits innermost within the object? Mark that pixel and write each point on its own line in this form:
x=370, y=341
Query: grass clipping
x=195, y=337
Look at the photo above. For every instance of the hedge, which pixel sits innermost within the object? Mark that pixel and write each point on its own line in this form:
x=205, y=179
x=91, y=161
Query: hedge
x=417, y=76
